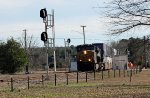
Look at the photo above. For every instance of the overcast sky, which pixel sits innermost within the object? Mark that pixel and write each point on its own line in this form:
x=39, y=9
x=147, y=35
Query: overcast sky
x=17, y=15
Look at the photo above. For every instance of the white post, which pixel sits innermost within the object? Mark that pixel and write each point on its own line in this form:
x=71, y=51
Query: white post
x=53, y=33
x=47, y=67
x=47, y=46
x=54, y=61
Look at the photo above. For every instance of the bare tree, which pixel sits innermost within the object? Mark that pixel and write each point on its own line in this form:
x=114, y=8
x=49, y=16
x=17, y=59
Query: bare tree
x=30, y=46
x=128, y=14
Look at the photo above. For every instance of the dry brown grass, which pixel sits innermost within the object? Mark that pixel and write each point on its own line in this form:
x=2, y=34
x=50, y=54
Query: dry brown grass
x=118, y=87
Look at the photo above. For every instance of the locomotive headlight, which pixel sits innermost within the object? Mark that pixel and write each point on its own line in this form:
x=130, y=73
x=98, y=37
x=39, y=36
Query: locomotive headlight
x=89, y=60
x=85, y=52
x=80, y=60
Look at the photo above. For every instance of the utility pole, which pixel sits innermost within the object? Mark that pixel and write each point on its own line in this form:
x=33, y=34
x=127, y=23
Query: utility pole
x=65, y=52
x=25, y=39
x=145, y=61
x=25, y=48
x=83, y=32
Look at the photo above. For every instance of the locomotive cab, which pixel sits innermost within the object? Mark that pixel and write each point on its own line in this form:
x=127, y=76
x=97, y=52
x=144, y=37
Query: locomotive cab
x=86, y=58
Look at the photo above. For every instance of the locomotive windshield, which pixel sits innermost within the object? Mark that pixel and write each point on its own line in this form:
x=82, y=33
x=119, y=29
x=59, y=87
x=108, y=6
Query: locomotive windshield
x=84, y=47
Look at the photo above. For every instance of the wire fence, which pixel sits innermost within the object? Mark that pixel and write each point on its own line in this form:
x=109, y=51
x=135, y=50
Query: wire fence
x=65, y=78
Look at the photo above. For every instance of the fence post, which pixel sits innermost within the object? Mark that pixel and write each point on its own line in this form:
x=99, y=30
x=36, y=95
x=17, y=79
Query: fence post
x=12, y=88
x=55, y=80
x=119, y=72
x=136, y=69
x=42, y=80
x=94, y=74
x=130, y=74
x=108, y=73
x=67, y=78
x=102, y=74
x=124, y=73
x=114, y=73
x=139, y=68
x=77, y=76
x=28, y=82
x=86, y=76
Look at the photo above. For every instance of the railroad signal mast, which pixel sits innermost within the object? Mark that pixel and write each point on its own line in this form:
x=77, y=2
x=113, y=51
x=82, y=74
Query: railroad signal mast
x=48, y=19
x=67, y=52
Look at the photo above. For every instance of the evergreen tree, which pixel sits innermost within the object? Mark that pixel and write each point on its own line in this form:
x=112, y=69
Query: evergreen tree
x=12, y=57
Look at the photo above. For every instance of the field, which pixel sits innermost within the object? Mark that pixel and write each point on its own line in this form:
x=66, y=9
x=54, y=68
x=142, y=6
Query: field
x=94, y=86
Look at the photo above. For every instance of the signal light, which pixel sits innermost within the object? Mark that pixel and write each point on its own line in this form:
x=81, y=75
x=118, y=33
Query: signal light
x=68, y=40
x=89, y=60
x=44, y=36
x=43, y=13
x=85, y=52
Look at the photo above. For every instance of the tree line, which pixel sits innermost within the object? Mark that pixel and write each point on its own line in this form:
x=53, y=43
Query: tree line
x=14, y=57
x=134, y=48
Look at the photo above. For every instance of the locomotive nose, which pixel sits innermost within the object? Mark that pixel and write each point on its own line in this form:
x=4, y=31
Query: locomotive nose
x=85, y=52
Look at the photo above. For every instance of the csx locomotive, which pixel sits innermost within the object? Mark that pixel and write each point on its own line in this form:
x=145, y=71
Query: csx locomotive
x=91, y=57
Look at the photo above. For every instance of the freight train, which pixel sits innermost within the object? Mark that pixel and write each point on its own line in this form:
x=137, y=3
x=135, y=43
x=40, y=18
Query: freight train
x=92, y=57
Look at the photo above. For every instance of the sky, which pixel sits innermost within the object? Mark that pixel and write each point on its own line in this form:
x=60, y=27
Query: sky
x=17, y=15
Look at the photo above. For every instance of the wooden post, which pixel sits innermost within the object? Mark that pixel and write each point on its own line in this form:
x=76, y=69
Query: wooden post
x=114, y=73
x=42, y=80
x=67, y=78
x=108, y=73
x=130, y=74
x=28, y=82
x=12, y=89
x=77, y=76
x=119, y=72
x=94, y=74
x=102, y=74
x=86, y=76
x=55, y=80
x=136, y=70
x=140, y=68
x=124, y=73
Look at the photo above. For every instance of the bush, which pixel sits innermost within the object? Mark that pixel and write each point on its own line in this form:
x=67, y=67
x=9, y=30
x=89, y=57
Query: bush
x=12, y=57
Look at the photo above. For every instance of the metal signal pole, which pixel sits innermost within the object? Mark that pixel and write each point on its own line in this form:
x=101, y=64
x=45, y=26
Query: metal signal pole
x=53, y=34
x=48, y=19
x=50, y=24
x=47, y=47
x=83, y=33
